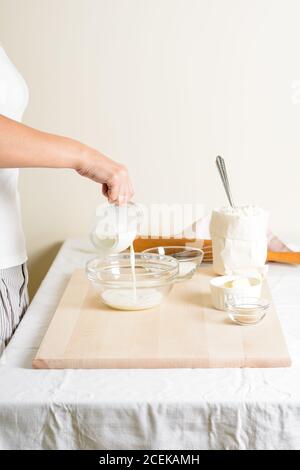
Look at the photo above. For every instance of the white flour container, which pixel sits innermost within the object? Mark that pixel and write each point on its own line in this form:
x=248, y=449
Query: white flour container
x=239, y=238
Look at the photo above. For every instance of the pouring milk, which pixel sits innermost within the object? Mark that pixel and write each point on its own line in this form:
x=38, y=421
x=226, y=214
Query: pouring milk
x=114, y=231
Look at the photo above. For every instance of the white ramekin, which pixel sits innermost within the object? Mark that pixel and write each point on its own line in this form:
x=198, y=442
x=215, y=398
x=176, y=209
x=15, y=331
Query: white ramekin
x=219, y=293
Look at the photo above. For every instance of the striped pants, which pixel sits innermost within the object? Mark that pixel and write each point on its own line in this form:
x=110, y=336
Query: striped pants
x=13, y=300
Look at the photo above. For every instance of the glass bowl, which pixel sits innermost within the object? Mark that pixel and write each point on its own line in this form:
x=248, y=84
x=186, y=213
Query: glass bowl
x=122, y=288
x=189, y=258
x=246, y=310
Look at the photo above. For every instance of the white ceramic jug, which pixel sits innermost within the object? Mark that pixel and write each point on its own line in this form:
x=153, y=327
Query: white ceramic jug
x=115, y=227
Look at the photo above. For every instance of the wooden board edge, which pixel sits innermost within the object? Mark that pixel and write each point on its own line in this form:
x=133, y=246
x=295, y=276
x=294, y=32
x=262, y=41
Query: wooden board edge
x=179, y=363
x=38, y=363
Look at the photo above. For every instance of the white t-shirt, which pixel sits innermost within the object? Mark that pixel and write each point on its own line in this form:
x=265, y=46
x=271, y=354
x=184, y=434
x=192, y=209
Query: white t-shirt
x=13, y=101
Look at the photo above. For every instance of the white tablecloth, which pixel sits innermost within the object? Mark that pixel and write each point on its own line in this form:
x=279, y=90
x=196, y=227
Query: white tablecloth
x=147, y=409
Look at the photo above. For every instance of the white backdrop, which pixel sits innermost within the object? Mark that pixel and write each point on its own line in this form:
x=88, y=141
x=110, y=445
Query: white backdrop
x=163, y=86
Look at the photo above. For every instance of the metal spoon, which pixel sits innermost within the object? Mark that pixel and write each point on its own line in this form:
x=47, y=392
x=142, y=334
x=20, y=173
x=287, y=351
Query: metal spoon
x=224, y=177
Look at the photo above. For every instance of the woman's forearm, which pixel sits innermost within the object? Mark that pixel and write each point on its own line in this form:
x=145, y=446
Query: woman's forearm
x=21, y=147
x=24, y=147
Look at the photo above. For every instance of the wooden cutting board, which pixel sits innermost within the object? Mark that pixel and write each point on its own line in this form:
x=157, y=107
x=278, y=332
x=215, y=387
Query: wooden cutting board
x=184, y=331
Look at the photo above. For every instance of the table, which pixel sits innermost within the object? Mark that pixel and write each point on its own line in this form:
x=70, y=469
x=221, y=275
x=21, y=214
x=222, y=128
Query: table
x=147, y=409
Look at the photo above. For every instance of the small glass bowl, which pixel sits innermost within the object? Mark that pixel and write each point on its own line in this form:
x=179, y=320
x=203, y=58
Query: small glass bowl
x=122, y=289
x=189, y=258
x=246, y=311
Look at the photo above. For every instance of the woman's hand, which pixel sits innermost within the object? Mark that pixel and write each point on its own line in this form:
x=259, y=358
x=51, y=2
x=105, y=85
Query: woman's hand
x=116, y=184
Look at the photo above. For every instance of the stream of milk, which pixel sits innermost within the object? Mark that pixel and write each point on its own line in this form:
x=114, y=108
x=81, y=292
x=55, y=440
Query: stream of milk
x=132, y=299
x=132, y=265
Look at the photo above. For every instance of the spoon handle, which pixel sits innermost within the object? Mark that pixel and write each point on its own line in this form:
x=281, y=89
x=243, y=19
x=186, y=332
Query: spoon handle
x=224, y=177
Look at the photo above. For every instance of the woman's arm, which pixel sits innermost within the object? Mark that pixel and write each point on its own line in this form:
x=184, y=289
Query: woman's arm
x=21, y=147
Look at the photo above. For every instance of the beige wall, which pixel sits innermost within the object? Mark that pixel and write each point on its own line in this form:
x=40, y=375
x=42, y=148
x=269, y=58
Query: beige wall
x=163, y=86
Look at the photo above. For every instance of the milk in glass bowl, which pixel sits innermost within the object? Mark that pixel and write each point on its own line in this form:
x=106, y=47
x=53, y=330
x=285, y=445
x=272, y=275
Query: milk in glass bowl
x=121, y=288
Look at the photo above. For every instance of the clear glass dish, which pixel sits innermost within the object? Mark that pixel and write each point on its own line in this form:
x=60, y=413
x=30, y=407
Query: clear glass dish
x=246, y=311
x=189, y=258
x=122, y=288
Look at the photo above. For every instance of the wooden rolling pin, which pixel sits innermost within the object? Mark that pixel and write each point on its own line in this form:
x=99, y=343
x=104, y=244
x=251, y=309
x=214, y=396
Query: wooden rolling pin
x=140, y=244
